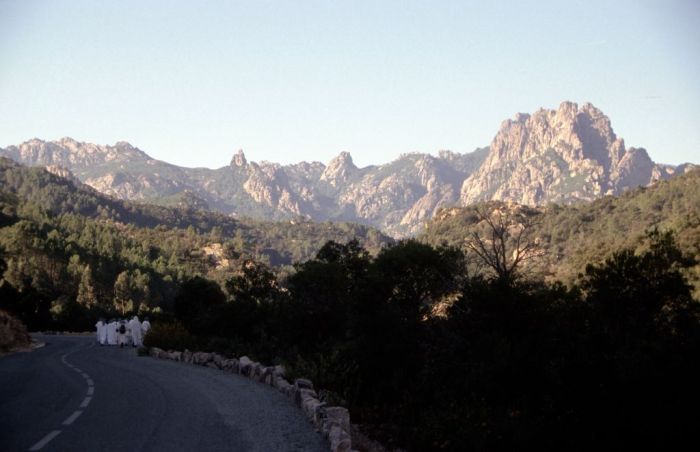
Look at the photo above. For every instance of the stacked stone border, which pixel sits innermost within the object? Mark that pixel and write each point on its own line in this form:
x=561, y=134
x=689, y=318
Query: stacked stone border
x=332, y=421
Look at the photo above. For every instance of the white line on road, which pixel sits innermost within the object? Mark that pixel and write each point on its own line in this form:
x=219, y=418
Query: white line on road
x=45, y=440
x=72, y=417
x=90, y=391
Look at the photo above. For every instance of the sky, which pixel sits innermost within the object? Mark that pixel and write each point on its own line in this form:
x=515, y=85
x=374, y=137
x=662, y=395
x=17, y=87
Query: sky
x=191, y=82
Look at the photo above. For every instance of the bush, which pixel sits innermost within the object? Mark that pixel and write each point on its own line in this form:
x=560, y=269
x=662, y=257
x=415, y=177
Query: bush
x=13, y=333
x=169, y=336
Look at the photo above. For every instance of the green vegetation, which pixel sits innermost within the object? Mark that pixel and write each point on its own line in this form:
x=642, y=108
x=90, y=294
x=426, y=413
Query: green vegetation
x=69, y=254
x=570, y=237
x=12, y=333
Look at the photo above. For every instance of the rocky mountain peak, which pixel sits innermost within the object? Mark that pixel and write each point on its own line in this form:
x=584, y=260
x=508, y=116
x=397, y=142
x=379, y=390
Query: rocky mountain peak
x=339, y=170
x=72, y=154
x=561, y=155
x=239, y=159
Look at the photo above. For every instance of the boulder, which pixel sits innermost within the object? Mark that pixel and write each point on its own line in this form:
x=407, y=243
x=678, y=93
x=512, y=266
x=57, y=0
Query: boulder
x=339, y=439
x=284, y=386
x=335, y=416
x=187, y=356
x=218, y=360
x=303, y=383
x=257, y=371
x=300, y=395
x=154, y=352
x=201, y=358
x=311, y=408
x=175, y=355
x=230, y=365
x=276, y=373
x=245, y=365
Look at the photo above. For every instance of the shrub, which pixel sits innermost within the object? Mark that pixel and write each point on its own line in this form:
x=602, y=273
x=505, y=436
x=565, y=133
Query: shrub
x=169, y=336
x=13, y=333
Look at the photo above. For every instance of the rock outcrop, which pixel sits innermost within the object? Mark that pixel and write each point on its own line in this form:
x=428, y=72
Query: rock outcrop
x=339, y=171
x=562, y=155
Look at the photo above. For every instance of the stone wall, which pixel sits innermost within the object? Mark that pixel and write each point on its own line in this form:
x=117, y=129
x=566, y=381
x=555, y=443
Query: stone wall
x=332, y=421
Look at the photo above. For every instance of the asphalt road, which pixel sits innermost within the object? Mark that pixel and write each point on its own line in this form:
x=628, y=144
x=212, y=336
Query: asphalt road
x=73, y=395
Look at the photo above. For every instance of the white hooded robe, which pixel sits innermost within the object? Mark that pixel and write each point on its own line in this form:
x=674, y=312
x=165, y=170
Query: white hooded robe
x=101, y=332
x=135, y=327
x=145, y=326
x=112, y=333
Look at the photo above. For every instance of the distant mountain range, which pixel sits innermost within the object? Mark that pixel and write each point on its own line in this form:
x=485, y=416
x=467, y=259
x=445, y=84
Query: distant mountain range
x=562, y=156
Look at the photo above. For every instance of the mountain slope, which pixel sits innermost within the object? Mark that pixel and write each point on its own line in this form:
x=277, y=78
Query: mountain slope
x=572, y=236
x=282, y=243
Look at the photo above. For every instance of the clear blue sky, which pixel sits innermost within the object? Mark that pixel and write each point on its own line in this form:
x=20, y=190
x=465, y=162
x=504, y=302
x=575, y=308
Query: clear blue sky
x=191, y=82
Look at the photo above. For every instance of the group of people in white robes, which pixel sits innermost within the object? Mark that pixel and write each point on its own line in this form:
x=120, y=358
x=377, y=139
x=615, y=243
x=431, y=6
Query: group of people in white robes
x=122, y=332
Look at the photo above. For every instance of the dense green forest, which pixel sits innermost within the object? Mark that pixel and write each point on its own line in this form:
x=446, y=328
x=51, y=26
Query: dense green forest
x=66, y=249
x=570, y=237
x=431, y=346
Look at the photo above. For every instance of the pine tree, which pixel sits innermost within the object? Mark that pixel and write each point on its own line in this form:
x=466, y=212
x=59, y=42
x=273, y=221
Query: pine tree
x=122, y=293
x=86, y=289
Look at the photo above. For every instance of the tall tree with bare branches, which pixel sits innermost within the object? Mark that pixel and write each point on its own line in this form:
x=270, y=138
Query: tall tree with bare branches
x=503, y=240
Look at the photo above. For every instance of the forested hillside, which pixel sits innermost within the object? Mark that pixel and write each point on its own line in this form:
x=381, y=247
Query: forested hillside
x=569, y=237
x=62, y=244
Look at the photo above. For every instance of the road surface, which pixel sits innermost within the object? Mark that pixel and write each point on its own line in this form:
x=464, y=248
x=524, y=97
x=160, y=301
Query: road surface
x=73, y=395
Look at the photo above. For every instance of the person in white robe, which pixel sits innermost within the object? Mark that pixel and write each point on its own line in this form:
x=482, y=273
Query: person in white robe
x=121, y=333
x=128, y=332
x=145, y=326
x=112, y=332
x=135, y=327
x=101, y=331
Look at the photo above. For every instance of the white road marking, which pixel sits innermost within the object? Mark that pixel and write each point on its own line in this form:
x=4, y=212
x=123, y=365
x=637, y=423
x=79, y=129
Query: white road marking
x=45, y=440
x=90, y=391
x=72, y=417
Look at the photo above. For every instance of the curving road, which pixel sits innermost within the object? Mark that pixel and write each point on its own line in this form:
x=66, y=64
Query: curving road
x=73, y=395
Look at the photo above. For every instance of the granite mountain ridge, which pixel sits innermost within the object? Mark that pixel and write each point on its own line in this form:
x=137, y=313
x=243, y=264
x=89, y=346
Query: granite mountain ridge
x=563, y=155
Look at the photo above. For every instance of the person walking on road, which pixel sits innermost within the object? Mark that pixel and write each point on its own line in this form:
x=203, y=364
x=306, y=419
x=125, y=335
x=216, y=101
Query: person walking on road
x=99, y=326
x=101, y=332
x=121, y=333
x=135, y=327
x=145, y=326
x=112, y=332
